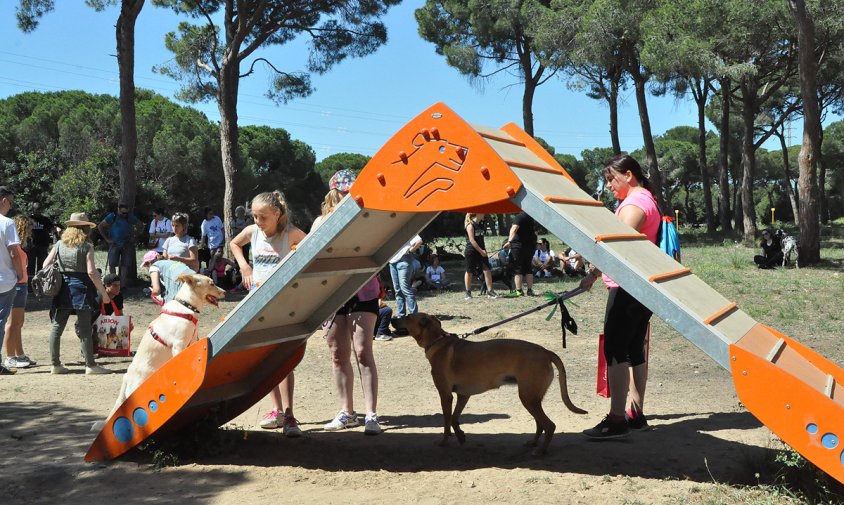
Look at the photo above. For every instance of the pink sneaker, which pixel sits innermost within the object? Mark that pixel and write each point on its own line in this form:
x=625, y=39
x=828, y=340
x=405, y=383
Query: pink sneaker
x=272, y=420
x=290, y=427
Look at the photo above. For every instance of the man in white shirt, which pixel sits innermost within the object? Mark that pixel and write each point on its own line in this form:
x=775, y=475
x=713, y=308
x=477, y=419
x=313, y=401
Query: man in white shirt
x=11, y=271
x=160, y=229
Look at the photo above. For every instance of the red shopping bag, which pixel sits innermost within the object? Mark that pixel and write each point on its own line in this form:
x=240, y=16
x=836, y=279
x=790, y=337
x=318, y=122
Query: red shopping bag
x=602, y=387
x=112, y=333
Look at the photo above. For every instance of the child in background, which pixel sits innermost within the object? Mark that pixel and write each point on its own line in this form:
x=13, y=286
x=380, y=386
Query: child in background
x=222, y=271
x=435, y=276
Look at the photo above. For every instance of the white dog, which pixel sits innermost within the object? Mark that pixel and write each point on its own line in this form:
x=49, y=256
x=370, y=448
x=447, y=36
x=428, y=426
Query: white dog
x=170, y=333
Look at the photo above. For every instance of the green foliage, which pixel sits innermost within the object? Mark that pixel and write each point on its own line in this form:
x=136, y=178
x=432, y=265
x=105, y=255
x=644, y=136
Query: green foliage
x=349, y=161
x=62, y=150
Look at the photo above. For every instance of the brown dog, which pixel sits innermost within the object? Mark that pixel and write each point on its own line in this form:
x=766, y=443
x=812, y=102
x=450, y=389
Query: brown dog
x=469, y=368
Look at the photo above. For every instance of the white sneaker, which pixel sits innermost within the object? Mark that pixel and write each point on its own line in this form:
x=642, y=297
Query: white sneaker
x=96, y=370
x=272, y=420
x=59, y=370
x=383, y=338
x=342, y=421
x=16, y=362
x=371, y=426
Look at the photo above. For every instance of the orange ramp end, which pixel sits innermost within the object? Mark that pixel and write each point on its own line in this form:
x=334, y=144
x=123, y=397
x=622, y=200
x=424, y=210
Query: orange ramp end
x=787, y=399
x=437, y=162
x=152, y=405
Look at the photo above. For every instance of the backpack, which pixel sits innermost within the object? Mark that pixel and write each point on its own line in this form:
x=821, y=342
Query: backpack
x=667, y=238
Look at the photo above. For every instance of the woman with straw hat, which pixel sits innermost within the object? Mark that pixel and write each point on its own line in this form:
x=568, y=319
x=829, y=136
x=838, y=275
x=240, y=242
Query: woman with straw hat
x=81, y=280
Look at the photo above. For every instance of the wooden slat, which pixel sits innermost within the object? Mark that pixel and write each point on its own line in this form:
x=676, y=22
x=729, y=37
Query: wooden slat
x=530, y=166
x=501, y=139
x=830, y=385
x=718, y=314
x=574, y=201
x=775, y=350
x=610, y=237
x=669, y=275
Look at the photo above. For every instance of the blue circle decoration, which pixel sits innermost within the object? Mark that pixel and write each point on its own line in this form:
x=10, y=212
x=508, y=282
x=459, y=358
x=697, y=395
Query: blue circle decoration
x=123, y=429
x=140, y=416
x=812, y=428
x=829, y=440
x=842, y=457
x=153, y=405
x=162, y=398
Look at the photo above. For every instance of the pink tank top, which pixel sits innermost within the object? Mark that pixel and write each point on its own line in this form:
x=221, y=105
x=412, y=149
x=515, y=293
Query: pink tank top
x=645, y=201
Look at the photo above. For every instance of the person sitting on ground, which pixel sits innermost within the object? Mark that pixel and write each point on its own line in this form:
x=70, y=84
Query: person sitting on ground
x=222, y=271
x=572, y=263
x=382, y=325
x=771, y=251
x=435, y=277
x=544, y=260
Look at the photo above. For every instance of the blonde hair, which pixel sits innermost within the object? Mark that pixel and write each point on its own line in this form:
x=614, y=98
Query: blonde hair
x=181, y=218
x=24, y=227
x=332, y=198
x=274, y=200
x=75, y=236
x=469, y=218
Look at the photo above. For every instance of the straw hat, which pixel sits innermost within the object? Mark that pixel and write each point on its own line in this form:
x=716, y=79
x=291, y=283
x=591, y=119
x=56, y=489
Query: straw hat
x=79, y=219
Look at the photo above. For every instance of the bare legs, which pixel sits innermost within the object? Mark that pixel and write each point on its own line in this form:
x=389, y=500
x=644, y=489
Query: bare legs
x=347, y=333
x=633, y=380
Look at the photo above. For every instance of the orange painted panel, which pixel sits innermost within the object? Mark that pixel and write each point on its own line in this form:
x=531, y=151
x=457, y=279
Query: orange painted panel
x=157, y=400
x=803, y=417
x=436, y=162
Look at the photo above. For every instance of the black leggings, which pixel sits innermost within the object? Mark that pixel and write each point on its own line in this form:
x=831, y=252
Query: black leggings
x=625, y=327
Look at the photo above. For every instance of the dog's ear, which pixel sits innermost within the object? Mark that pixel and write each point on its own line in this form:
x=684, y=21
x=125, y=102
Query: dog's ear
x=187, y=279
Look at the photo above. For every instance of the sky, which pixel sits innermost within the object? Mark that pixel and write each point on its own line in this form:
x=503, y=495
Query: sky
x=356, y=107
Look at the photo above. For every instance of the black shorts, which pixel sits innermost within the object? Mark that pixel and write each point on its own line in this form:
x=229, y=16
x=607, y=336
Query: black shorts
x=521, y=259
x=475, y=263
x=355, y=305
x=625, y=328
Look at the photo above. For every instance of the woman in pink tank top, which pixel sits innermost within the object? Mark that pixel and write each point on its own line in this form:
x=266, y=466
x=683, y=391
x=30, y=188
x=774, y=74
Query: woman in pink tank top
x=626, y=319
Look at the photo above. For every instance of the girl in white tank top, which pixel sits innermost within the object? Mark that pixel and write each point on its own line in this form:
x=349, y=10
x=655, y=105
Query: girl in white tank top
x=272, y=238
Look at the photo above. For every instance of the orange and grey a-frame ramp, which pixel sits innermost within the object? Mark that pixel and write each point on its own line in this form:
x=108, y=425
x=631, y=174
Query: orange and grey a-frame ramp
x=436, y=163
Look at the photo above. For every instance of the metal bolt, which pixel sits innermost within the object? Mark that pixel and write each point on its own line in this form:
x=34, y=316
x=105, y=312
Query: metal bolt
x=261, y=319
x=292, y=314
x=788, y=406
x=744, y=372
x=734, y=358
x=357, y=248
x=295, y=285
x=330, y=250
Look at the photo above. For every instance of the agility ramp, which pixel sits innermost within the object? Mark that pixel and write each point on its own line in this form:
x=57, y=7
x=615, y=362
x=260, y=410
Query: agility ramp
x=438, y=162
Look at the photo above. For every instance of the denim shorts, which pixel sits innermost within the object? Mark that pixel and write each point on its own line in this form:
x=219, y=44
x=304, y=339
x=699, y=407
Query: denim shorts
x=21, y=294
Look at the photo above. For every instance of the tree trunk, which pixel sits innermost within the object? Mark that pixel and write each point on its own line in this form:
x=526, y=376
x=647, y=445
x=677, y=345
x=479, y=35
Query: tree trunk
x=653, y=168
x=613, y=103
x=823, y=204
x=789, y=190
x=531, y=81
x=809, y=245
x=748, y=161
x=125, y=35
x=227, y=104
x=723, y=158
x=701, y=95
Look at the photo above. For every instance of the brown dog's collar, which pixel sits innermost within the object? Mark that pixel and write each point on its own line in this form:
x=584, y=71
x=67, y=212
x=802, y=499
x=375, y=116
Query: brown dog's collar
x=443, y=334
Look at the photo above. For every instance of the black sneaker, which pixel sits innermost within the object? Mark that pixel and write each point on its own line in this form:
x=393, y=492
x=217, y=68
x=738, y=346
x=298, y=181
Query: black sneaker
x=468, y=295
x=491, y=294
x=638, y=423
x=530, y=292
x=608, y=429
x=7, y=371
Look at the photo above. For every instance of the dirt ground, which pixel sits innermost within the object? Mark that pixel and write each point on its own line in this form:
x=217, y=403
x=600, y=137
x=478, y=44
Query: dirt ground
x=702, y=438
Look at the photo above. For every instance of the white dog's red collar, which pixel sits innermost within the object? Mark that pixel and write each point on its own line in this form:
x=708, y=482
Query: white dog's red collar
x=189, y=317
